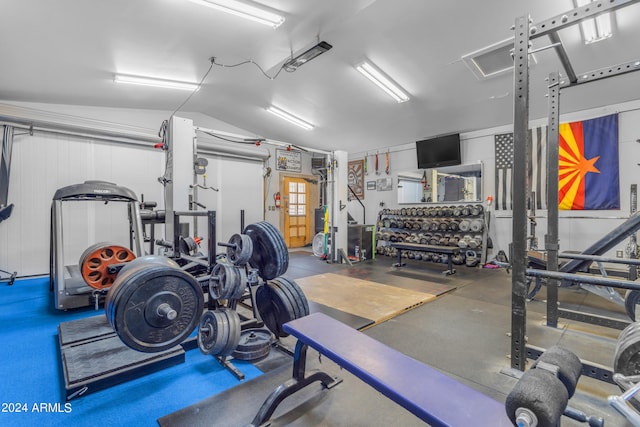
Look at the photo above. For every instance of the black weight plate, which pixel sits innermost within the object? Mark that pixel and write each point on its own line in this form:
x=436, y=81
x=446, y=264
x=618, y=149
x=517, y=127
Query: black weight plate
x=233, y=333
x=631, y=299
x=268, y=311
x=212, y=332
x=226, y=281
x=626, y=359
x=285, y=306
x=299, y=299
x=241, y=252
x=154, y=306
x=241, y=284
x=627, y=333
x=254, y=344
x=133, y=267
x=275, y=308
x=270, y=255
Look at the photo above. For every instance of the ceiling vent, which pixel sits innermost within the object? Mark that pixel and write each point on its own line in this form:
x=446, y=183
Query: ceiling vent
x=493, y=60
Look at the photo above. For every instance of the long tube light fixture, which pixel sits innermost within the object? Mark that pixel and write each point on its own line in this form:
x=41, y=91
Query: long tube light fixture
x=595, y=29
x=383, y=81
x=290, y=117
x=244, y=10
x=148, y=81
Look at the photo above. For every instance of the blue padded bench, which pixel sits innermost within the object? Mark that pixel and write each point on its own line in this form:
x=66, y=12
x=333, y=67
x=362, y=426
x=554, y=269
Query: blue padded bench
x=427, y=393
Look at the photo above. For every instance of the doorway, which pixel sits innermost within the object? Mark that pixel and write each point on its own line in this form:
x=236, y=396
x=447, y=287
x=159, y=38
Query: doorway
x=300, y=194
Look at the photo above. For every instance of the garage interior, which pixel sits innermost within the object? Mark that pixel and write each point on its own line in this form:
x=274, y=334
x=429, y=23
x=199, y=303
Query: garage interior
x=264, y=241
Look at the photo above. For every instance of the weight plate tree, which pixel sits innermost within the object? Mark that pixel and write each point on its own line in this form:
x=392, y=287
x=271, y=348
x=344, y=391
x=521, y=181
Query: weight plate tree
x=95, y=261
x=270, y=255
x=153, y=305
x=279, y=301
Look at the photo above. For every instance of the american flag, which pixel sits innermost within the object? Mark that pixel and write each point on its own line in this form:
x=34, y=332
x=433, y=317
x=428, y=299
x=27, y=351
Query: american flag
x=537, y=155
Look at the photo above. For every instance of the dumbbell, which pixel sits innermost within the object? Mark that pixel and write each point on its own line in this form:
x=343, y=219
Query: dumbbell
x=464, y=225
x=457, y=211
x=466, y=210
x=476, y=225
x=457, y=259
x=475, y=242
x=471, y=259
x=426, y=225
x=464, y=242
x=476, y=210
x=453, y=225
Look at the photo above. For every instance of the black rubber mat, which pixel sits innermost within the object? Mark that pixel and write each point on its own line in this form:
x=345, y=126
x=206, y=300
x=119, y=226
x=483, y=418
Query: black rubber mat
x=80, y=330
x=94, y=358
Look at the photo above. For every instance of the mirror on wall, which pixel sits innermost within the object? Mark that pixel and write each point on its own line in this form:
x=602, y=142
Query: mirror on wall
x=462, y=183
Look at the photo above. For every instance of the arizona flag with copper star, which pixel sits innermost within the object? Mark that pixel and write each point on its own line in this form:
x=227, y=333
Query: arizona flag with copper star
x=588, y=166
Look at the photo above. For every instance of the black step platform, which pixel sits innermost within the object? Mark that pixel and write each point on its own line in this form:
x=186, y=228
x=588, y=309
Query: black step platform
x=94, y=358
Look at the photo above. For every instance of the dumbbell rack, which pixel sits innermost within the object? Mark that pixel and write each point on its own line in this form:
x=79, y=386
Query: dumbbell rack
x=436, y=225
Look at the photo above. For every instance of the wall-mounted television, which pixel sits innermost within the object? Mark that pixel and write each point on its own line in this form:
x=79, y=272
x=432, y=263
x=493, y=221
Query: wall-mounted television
x=439, y=151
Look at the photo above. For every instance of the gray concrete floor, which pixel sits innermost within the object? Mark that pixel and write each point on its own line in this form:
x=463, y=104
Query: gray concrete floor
x=463, y=333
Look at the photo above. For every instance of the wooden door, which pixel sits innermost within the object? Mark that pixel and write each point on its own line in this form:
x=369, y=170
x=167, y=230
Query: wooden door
x=297, y=211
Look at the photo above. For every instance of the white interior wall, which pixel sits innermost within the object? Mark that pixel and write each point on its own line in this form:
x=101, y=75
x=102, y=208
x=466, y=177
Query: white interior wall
x=272, y=183
x=575, y=233
x=44, y=162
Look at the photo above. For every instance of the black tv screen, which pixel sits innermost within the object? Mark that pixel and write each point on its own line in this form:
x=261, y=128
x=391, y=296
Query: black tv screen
x=439, y=151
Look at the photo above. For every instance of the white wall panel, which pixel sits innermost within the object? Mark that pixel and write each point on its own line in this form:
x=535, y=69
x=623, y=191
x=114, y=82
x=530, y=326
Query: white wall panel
x=575, y=233
x=44, y=162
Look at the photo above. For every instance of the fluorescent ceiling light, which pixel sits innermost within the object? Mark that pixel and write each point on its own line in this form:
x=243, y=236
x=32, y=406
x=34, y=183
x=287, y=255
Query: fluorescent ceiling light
x=306, y=56
x=147, y=81
x=244, y=10
x=595, y=29
x=382, y=81
x=290, y=118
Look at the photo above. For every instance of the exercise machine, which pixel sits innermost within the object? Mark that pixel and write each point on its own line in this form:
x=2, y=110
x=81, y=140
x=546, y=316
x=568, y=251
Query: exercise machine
x=66, y=280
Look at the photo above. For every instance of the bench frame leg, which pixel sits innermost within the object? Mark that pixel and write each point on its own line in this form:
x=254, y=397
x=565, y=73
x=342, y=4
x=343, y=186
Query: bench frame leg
x=451, y=270
x=399, y=263
x=289, y=387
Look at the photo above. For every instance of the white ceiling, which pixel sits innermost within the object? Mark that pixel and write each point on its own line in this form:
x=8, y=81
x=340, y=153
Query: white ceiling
x=67, y=52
